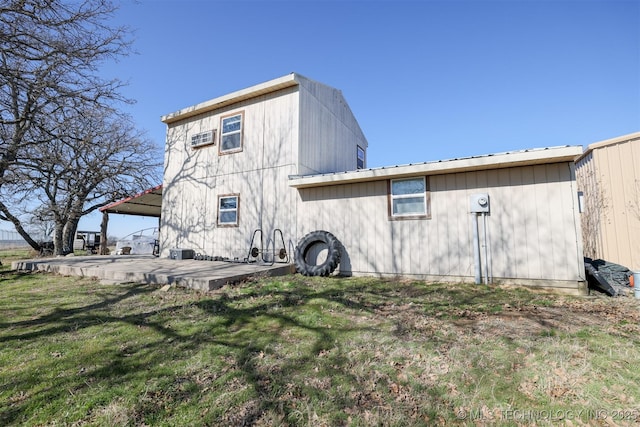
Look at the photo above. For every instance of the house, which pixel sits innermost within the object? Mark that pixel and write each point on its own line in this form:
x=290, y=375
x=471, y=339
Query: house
x=288, y=157
x=228, y=162
x=608, y=176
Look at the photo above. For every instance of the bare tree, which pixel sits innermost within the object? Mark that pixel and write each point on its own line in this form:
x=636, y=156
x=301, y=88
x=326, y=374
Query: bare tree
x=40, y=223
x=100, y=158
x=50, y=51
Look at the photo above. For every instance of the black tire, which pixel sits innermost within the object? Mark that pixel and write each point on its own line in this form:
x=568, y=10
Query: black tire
x=306, y=243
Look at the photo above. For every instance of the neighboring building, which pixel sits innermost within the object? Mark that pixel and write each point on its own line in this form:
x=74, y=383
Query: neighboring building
x=608, y=175
x=288, y=154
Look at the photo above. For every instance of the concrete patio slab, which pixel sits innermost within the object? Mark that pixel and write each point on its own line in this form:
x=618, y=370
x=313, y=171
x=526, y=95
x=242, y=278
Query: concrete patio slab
x=200, y=275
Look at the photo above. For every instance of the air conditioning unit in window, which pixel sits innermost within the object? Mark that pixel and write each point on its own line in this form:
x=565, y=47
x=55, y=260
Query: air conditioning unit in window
x=203, y=138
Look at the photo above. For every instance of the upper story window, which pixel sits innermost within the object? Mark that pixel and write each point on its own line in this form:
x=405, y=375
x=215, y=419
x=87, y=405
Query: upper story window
x=228, y=209
x=361, y=163
x=409, y=198
x=231, y=134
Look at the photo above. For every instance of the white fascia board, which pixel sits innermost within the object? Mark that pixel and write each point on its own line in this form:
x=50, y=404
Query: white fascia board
x=232, y=98
x=487, y=162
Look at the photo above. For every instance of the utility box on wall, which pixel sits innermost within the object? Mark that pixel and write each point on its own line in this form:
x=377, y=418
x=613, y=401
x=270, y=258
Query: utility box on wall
x=479, y=203
x=181, y=253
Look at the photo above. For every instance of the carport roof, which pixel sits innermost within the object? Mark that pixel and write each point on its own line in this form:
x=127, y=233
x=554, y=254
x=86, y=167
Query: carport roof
x=147, y=203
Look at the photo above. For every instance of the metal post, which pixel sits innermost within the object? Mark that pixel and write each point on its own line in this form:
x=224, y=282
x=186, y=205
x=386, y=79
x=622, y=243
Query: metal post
x=476, y=248
x=486, y=258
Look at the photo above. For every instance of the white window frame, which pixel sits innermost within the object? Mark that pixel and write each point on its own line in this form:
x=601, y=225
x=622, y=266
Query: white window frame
x=425, y=214
x=224, y=210
x=223, y=134
x=364, y=158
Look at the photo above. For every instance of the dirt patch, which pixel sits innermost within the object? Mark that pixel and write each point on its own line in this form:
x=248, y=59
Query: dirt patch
x=619, y=315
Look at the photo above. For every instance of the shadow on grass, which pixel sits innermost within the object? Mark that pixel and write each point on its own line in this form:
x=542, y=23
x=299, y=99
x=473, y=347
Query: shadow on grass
x=242, y=328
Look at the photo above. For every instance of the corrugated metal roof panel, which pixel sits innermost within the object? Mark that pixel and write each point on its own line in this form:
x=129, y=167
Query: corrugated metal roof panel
x=465, y=164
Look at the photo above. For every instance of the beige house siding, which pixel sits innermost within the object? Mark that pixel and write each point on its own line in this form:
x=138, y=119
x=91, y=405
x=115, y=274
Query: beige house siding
x=608, y=174
x=329, y=132
x=533, y=227
x=195, y=178
x=284, y=120
x=296, y=172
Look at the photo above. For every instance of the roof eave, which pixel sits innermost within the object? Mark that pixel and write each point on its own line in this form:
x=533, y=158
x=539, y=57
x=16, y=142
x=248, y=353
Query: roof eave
x=493, y=161
x=233, y=98
x=607, y=142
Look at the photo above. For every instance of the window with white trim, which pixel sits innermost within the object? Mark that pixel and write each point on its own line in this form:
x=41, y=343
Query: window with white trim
x=231, y=133
x=228, y=205
x=409, y=198
x=360, y=158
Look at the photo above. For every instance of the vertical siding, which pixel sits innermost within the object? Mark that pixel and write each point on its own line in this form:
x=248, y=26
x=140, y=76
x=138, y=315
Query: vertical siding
x=533, y=233
x=610, y=178
x=329, y=133
x=594, y=211
x=194, y=179
x=617, y=169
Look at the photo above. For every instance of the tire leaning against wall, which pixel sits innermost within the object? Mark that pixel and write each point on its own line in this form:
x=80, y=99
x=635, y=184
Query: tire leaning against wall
x=333, y=254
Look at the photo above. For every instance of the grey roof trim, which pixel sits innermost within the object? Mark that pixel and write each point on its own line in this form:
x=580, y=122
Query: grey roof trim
x=467, y=164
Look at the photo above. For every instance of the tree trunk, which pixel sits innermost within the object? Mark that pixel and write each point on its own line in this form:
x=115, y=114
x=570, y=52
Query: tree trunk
x=69, y=234
x=103, y=234
x=18, y=226
x=57, y=240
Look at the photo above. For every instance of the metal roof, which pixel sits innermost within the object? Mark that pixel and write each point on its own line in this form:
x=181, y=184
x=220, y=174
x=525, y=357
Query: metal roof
x=147, y=203
x=475, y=163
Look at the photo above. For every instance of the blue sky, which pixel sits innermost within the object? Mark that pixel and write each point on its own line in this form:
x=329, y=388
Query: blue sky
x=427, y=80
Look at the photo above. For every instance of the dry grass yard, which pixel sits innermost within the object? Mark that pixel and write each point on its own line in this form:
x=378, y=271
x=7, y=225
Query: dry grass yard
x=295, y=351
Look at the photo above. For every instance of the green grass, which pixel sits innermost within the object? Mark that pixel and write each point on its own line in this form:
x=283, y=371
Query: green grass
x=310, y=351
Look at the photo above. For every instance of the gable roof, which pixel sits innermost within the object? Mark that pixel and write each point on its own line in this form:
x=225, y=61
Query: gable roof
x=491, y=161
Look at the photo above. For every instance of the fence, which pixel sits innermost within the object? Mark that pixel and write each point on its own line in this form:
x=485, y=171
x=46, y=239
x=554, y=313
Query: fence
x=11, y=239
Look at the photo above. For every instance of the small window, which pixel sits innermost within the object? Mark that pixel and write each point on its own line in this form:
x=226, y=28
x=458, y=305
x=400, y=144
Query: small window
x=203, y=138
x=409, y=198
x=231, y=134
x=361, y=162
x=228, y=210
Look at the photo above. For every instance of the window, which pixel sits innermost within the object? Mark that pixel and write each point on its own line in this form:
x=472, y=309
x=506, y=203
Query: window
x=408, y=198
x=231, y=135
x=203, y=138
x=361, y=163
x=228, y=209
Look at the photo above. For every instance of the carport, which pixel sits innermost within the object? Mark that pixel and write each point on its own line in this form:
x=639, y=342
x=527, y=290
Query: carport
x=147, y=203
